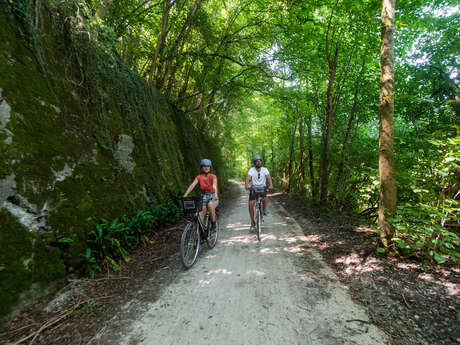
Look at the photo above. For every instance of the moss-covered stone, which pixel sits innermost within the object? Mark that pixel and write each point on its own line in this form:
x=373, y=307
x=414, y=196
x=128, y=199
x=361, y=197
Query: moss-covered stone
x=16, y=249
x=70, y=104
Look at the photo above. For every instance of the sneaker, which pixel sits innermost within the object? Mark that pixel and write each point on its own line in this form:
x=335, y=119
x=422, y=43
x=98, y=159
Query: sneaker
x=213, y=226
x=266, y=212
x=253, y=225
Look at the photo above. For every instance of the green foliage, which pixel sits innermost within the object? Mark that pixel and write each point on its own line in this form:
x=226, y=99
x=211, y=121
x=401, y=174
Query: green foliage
x=22, y=10
x=91, y=308
x=421, y=229
x=429, y=210
x=111, y=241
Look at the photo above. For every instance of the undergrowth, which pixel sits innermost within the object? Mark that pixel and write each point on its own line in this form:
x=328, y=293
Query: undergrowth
x=111, y=241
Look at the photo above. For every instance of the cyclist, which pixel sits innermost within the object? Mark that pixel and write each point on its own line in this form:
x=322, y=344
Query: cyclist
x=258, y=176
x=208, y=186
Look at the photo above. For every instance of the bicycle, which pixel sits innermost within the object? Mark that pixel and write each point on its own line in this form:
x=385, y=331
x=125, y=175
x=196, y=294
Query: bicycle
x=260, y=193
x=195, y=230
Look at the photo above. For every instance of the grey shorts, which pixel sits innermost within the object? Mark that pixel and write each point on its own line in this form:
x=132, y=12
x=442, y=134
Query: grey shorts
x=207, y=198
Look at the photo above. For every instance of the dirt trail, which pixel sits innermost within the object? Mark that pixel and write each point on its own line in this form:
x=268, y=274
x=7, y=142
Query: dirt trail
x=278, y=291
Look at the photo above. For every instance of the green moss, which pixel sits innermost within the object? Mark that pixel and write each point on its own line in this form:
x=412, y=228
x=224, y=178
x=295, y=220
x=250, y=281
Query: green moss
x=16, y=248
x=47, y=264
x=98, y=99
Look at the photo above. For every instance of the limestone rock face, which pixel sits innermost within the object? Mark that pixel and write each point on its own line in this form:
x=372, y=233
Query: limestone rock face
x=78, y=143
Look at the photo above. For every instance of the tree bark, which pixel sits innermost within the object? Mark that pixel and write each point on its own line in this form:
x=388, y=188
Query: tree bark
x=330, y=116
x=330, y=111
x=387, y=202
x=302, y=154
x=291, y=157
x=167, y=4
x=310, y=159
x=178, y=46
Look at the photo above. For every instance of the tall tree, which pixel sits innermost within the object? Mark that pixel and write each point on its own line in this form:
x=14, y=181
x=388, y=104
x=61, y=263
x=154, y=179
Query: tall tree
x=387, y=203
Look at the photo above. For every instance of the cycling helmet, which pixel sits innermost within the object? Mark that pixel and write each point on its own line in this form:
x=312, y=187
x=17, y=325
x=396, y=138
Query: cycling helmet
x=255, y=159
x=205, y=162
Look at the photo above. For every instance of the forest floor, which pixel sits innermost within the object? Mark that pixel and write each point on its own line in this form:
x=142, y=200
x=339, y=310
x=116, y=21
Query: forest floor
x=410, y=303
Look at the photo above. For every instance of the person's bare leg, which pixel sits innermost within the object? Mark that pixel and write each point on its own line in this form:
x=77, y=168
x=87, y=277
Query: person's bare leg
x=265, y=202
x=212, y=210
x=251, y=209
x=203, y=213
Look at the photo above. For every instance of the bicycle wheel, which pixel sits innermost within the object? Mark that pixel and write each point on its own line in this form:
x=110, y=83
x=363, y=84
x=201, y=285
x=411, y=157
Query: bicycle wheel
x=212, y=236
x=258, y=222
x=189, y=244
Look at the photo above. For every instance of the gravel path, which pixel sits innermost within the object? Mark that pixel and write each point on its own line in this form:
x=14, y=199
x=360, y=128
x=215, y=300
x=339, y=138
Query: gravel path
x=278, y=291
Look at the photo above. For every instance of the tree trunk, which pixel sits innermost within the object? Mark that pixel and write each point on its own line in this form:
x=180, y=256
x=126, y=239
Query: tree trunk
x=177, y=47
x=345, y=141
x=291, y=157
x=330, y=111
x=273, y=157
x=302, y=155
x=330, y=115
x=167, y=4
x=310, y=159
x=387, y=202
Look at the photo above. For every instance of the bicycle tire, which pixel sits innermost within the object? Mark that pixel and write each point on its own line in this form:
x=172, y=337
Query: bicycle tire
x=258, y=222
x=212, y=236
x=189, y=244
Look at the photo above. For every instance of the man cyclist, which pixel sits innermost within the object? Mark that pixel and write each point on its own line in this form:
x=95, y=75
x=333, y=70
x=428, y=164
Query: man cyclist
x=258, y=176
x=208, y=186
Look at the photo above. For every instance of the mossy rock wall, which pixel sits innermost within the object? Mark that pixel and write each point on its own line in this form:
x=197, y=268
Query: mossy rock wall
x=82, y=138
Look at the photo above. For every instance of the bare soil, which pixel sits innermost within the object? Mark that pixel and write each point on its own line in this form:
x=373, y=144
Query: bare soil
x=413, y=303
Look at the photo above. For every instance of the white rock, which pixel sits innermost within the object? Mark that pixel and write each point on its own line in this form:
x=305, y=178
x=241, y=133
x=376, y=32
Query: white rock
x=123, y=152
x=5, y=115
x=64, y=173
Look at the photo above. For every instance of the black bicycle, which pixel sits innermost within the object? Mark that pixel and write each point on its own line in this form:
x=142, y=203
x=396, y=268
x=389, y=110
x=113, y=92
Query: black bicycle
x=195, y=231
x=260, y=193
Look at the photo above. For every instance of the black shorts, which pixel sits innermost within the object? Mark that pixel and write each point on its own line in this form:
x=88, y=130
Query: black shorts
x=252, y=194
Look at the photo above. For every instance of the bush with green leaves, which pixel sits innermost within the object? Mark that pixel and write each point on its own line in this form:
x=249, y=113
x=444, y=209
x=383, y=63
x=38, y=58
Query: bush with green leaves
x=421, y=228
x=111, y=241
x=427, y=221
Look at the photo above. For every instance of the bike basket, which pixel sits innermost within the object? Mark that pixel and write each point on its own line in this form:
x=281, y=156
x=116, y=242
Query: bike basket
x=192, y=204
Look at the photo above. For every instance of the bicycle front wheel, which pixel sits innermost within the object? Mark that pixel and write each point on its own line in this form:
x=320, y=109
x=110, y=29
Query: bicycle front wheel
x=212, y=236
x=259, y=222
x=190, y=244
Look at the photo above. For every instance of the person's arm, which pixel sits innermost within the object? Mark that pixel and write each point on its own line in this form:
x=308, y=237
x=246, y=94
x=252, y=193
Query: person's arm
x=246, y=183
x=270, y=183
x=190, y=188
x=214, y=185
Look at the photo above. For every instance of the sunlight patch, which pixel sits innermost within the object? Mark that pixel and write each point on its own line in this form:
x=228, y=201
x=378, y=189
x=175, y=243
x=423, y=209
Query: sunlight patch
x=206, y=282
x=257, y=273
x=313, y=238
x=294, y=250
x=270, y=251
x=220, y=271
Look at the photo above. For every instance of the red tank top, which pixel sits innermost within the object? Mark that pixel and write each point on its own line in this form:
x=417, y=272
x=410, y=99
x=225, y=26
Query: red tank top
x=206, y=183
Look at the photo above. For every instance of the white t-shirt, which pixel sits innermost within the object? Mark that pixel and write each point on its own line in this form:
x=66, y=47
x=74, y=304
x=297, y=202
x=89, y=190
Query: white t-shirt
x=258, y=178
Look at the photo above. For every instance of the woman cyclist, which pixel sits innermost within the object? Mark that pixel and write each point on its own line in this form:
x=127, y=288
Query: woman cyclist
x=208, y=185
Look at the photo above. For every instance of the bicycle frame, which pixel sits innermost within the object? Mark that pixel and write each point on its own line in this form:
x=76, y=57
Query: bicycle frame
x=194, y=232
x=259, y=211
x=197, y=217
